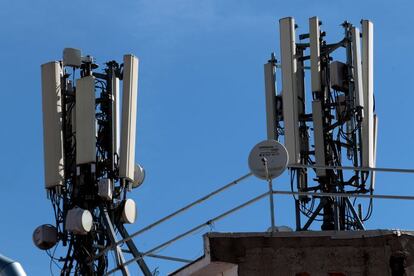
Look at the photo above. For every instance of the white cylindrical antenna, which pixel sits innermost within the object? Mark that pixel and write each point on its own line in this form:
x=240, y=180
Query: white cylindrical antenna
x=129, y=117
x=79, y=221
x=129, y=211
x=85, y=121
x=289, y=91
x=368, y=84
x=115, y=113
x=270, y=96
x=52, y=124
x=356, y=63
x=315, y=59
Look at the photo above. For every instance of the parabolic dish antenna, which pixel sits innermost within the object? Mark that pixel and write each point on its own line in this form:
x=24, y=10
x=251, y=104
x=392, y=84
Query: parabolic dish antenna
x=270, y=154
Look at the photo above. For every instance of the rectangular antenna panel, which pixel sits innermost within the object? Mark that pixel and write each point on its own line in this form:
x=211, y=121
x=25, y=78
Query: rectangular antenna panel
x=129, y=117
x=270, y=91
x=73, y=121
x=301, y=99
x=289, y=91
x=315, y=59
x=52, y=124
x=116, y=124
x=356, y=63
x=85, y=121
x=318, y=136
x=368, y=86
x=72, y=57
x=338, y=76
x=375, y=151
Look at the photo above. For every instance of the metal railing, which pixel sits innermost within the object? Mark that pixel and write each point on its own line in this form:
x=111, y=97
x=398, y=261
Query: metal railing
x=270, y=193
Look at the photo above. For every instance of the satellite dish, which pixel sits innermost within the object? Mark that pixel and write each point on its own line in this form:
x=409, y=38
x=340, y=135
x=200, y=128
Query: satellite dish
x=268, y=153
x=45, y=236
x=129, y=211
x=139, y=176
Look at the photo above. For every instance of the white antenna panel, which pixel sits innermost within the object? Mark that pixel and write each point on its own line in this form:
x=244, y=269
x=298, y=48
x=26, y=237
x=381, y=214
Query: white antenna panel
x=129, y=117
x=52, y=124
x=368, y=86
x=375, y=151
x=72, y=57
x=85, y=121
x=318, y=136
x=289, y=91
x=116, y=122
x=315, y=59
x=356, y=59
x=270, y=91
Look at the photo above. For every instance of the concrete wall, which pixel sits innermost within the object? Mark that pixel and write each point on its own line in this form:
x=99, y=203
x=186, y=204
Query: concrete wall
x=368, y=253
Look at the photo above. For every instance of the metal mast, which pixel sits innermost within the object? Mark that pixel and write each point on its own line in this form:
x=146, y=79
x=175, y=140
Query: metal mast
x=89, y=164
x=332, y=125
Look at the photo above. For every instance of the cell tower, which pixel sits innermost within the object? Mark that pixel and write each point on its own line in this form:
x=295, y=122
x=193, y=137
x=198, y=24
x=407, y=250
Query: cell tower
x=90, y=160
x=330, y=127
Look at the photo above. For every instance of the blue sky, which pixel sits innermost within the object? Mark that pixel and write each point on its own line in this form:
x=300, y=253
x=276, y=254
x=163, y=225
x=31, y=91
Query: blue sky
x=200, y=106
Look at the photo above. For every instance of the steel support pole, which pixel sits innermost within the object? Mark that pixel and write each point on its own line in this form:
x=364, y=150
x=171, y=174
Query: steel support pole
x=134, y=250
x=297, y=210
x=355, y=214
x=120, y=260
x=312, y=218
x=272, y=206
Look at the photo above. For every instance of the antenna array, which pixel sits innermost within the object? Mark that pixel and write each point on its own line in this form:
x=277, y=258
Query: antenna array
x=89, y=163
x=335, y=126
x=90, y=159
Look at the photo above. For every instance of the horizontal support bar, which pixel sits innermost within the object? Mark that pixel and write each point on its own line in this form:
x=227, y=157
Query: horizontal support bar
x=168, y=258
x=350, y=168
x=346, y=195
